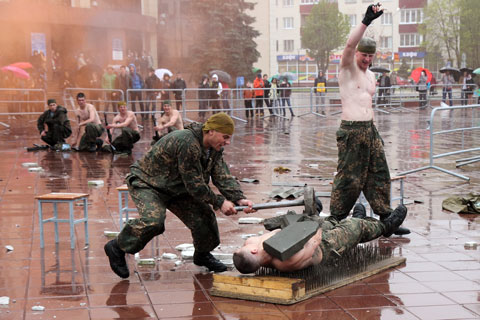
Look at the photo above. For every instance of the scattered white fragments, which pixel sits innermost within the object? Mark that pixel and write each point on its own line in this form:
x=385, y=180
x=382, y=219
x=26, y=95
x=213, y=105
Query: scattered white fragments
x=38, y=308
x=248, y=235
x=250, y=220
x=471, y=245
x=178, y=263
x=188, y=254
x=35, y=169
x=4, y=300
x=29, y=164
x=146, y=261
x=9, y=248
x=222, y=256
x=169, y=256
x=95, y=183
x=184, y=247
x=110, y=234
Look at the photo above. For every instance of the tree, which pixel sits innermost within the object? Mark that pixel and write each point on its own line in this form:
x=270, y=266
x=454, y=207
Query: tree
x=325, y=30
x=225, y=39
x=470, y=31
x=403, y=71
x=441, y=28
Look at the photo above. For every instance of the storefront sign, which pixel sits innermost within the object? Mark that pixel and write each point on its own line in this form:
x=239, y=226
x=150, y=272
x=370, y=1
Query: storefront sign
x=39, y=43
x=412, y=54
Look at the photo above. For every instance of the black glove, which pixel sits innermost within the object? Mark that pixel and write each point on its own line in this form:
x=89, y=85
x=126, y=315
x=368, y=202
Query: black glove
x=370, y=15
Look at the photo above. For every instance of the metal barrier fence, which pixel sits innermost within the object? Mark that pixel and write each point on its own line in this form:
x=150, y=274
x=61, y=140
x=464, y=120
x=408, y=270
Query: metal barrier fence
x=464, y=149
x=102, y=99
x=22, y=101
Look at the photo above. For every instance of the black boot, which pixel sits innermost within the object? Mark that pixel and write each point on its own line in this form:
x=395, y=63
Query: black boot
x=359, y=211
x=117, y=258
x=394, y=220
x=209, y=261
x=401, y=231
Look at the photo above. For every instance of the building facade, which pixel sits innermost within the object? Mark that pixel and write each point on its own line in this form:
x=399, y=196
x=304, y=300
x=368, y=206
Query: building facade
x=396, y=33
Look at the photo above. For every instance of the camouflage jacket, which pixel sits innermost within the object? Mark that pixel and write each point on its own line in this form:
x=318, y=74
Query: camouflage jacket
x=179, y=164
x=59, y=117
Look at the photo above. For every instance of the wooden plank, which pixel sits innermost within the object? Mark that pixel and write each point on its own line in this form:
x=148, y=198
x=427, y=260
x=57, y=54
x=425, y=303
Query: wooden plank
x=122, y=188
x=276, y=289
x=61, y=196
x=257, y=281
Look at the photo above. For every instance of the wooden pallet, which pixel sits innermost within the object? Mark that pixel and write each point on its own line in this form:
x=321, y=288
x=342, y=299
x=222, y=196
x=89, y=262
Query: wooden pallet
x=281, y=290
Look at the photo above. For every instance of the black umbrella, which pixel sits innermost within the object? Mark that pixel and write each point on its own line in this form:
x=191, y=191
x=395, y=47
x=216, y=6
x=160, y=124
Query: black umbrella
x=379, y=69
x=84, y=74
x=449, y=69
x=469, y=70
x=222, y=76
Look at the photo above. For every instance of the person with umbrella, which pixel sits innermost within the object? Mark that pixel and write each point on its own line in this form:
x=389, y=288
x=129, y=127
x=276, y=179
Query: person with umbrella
x=447, y=81
x=422, y=89
x=259, y=86
x=467, y=87
x=362, y=164
x=215, y=93
x=204, y=85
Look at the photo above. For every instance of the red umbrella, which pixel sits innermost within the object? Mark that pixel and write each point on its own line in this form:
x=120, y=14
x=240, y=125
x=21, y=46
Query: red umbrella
x=20, y=73
x=22, y=65
x=415, y=75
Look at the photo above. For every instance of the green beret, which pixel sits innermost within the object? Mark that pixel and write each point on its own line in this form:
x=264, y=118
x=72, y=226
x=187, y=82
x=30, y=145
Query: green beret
x=122, y=103
x=49, y=101
x=220, y=122
x=367, y=45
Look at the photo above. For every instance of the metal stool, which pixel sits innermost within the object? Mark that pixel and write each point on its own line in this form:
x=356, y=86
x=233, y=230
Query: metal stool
x=69, y=198
x=123, y=203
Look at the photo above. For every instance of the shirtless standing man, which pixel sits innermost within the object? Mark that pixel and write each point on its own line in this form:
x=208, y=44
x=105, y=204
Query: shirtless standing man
x=333, y=237
x=169, y=121
x=90, y=127
x=362, y=165
x=127, y=122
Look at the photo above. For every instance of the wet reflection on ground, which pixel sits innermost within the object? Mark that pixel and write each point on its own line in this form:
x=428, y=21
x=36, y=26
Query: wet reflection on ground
x=440, y=279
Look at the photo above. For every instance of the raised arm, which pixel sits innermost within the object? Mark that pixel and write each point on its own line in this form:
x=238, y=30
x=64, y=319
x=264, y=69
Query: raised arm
x=373, y=12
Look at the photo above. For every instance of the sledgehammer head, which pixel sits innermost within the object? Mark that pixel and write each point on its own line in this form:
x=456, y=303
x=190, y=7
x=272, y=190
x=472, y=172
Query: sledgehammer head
x=290, y=240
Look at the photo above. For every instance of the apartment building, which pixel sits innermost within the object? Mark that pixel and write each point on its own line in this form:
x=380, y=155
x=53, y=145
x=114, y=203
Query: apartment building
x=396, y=33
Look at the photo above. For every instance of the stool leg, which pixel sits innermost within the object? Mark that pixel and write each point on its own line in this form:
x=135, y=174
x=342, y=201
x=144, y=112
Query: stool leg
x=72, y=225
x=126, y=206
x=55, y=214
x=85, y=216
x=120, y=209
x=40, y=215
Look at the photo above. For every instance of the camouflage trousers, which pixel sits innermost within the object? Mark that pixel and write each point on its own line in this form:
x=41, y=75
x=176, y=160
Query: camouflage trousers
x=338, y=237
x=125, y=141
x=362, y=166
x=92, y=132
x=56, y=134
x=152, y=204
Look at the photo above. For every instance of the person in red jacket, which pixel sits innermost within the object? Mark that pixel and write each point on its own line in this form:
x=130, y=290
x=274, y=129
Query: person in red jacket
x=259, y=88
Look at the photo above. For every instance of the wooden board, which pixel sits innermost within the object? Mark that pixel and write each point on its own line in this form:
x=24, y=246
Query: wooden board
x=283, y=290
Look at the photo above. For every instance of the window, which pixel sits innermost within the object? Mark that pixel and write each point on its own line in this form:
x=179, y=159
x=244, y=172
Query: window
x=411, y=16
x=288, y=23
x=353, y=19
x=410, y=39
x=309, y=1
x=350, y=1
x=386, y=18
x=288, y=45
x=386, y=42
x=277, y=46
x=288, y=3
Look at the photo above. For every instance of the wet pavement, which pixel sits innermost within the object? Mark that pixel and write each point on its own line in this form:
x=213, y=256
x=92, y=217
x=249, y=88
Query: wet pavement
x=440, y=279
